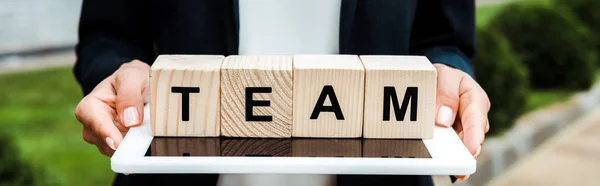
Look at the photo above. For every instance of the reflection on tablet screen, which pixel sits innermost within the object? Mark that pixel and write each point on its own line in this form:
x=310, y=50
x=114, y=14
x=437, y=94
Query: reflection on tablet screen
x=297, y=147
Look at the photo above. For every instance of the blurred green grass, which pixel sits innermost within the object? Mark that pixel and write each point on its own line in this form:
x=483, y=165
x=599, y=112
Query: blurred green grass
x=540, y=98
x=37, y=107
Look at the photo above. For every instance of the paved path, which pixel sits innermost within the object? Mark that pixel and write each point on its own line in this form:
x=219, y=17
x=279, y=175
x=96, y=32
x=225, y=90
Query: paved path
x=572, y=157
x=19, y=63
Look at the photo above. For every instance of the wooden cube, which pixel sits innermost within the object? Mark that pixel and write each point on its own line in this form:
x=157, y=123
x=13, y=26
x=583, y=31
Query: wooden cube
x=256, y=96
x=256, y=147
x=400, y=94
x=326, y=147
x=328, y=96
x=185, y=147
x=184, y=95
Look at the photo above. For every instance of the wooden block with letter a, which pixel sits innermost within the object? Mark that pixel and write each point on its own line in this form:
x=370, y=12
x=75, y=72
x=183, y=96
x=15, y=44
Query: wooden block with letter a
x=399, y=97
x=328, y=96
x=184, y=95
x=256, y=96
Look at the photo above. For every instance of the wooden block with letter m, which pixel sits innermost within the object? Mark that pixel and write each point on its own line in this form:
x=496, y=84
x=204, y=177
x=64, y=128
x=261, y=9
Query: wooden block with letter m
x=184, y=95
x=399, y=97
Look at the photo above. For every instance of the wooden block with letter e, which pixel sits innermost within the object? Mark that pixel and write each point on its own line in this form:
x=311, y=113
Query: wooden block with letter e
x=328, y=96
x=399, y=97
x=184, y=95
x=256, y=96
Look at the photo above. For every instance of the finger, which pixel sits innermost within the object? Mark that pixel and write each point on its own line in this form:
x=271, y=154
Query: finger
x=461, y=135
x=474, y=107
x=477, y=152
x=463, y=177
x=88, y=136
x=100, y=145
x=105, y=149
x=447, y=98
x=487, y=125
x=458, y=128
x=130, y=84
x=118, y=124
x=95, y=115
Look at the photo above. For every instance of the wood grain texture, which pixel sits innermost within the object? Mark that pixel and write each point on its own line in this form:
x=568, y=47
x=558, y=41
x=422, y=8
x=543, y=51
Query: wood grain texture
x=185, y=147
x=345, y=73
x=326, y=148
x=412, y=148
x=399, y=72
x=256, y=147
x=240, y=72
x=201, y=71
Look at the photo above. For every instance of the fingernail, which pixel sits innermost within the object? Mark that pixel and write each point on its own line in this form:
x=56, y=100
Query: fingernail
x=130, y=116
x=463, y=178
x=111, y=143
x=444, y=116
x=478, y=151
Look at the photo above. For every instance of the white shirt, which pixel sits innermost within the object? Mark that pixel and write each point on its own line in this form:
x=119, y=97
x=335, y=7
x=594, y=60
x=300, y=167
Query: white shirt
x=286, y=27
x=289, y=26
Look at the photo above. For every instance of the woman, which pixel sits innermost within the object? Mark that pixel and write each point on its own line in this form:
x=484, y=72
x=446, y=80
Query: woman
x=119, y=39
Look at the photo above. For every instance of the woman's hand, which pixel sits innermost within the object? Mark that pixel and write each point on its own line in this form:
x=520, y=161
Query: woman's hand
x=116, y=104
x=464, y=105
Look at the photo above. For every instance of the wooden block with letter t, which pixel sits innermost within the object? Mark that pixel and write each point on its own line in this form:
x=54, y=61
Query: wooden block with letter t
x=328, y=96
x=256, y=96
x=399, y=97
x=184, y=95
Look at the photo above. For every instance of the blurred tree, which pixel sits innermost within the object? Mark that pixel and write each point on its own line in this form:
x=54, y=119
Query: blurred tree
x=557, y=49
x=13, y=171
x=588, y=12
x=504, y=78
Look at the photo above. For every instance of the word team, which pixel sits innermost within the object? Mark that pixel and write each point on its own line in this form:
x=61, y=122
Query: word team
x=273, y=96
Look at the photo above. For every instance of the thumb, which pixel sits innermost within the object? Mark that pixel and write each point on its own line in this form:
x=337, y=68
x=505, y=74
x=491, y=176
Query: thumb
x=131, y=82
x=98, y=122
x=447, y=98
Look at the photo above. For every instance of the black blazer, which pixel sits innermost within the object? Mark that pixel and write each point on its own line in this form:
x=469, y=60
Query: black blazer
x=112, y=32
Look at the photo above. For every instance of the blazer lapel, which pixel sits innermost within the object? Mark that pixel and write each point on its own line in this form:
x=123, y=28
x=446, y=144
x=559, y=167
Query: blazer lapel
x=347, y=12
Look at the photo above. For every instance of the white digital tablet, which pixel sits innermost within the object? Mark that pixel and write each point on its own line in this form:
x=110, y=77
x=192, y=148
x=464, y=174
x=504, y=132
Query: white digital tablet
x=140, y=152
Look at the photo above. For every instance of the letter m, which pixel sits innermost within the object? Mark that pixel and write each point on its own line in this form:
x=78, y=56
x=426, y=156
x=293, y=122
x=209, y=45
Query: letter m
x=390, y=96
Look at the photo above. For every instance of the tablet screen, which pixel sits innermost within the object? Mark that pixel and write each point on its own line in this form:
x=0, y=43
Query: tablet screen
x=296, y=147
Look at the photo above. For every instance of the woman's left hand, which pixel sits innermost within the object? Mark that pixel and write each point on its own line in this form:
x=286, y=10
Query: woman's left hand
x=462, y=104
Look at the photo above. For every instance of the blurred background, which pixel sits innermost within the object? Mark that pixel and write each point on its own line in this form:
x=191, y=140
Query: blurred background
x=538, y=60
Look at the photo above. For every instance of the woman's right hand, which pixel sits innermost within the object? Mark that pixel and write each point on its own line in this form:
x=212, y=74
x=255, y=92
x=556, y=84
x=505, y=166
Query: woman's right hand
x=115, y=105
